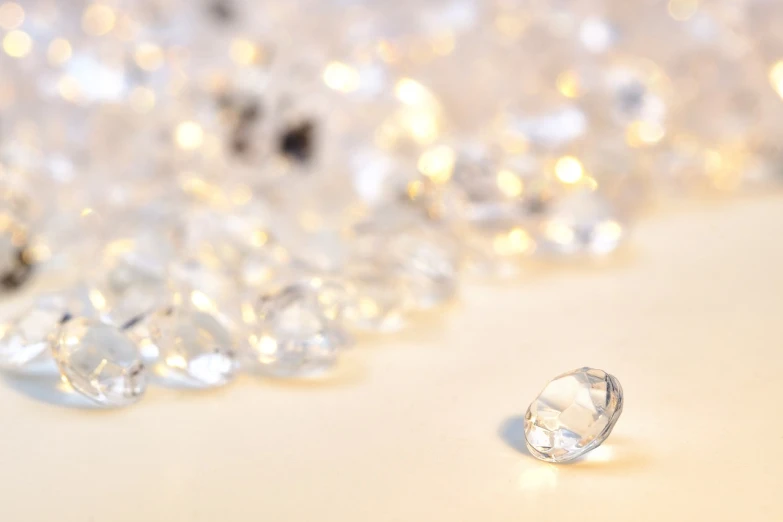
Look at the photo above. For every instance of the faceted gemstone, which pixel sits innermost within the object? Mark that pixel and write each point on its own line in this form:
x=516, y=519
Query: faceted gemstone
x=291, y=334
x=574, y=414
x=194, y=348
x=100, y=361
x=581, y=222
x=28, y=335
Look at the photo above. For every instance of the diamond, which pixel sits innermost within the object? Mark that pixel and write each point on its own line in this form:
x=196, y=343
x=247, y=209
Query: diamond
x=291, y=333
x=573, y=414
x=194, y=348
x=100, y=361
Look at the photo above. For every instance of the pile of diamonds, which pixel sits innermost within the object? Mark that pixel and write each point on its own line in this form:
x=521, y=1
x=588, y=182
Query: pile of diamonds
x=219, y=185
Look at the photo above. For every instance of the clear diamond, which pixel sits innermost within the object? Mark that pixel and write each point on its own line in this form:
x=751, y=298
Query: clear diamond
x=100, y=361
x=193, y=346
x=292, y=334
x=27, y=336
x=573, y=414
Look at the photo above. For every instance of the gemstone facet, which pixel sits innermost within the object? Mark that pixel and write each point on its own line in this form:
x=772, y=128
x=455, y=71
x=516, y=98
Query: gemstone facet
x=99, y=361
x=291, y=333
x=573, y=415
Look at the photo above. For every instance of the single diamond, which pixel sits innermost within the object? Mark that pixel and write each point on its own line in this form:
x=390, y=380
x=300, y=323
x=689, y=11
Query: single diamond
x=27, y=336
x=100, y=361
x=574, y=414
x=193, y=347
x=291, y=333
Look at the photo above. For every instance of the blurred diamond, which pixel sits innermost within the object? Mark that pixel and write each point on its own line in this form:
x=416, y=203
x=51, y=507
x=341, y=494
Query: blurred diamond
x=100, y=361
x=194, y=347
x=292, y=334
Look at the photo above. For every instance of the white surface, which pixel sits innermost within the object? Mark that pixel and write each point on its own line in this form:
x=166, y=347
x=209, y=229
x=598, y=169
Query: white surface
x=416, y=428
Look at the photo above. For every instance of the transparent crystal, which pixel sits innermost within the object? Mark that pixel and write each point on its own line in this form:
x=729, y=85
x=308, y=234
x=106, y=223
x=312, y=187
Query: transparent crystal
x=28, y=335
x=573, y=414
x=100, y=361
x=292, y=334
x=193, y=346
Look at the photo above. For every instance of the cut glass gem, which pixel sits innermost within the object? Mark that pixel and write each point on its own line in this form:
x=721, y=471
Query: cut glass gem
x=573, y=414
x=292, y=334
x=99, y=361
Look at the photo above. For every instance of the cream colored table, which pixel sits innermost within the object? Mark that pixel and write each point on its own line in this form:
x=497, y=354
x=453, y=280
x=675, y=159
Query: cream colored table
x=427, y=426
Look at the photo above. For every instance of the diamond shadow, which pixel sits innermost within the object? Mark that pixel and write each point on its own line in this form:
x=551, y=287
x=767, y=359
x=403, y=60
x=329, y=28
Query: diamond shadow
x=512, y=432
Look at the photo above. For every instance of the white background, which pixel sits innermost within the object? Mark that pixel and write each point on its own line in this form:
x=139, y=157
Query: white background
x=426, y=426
